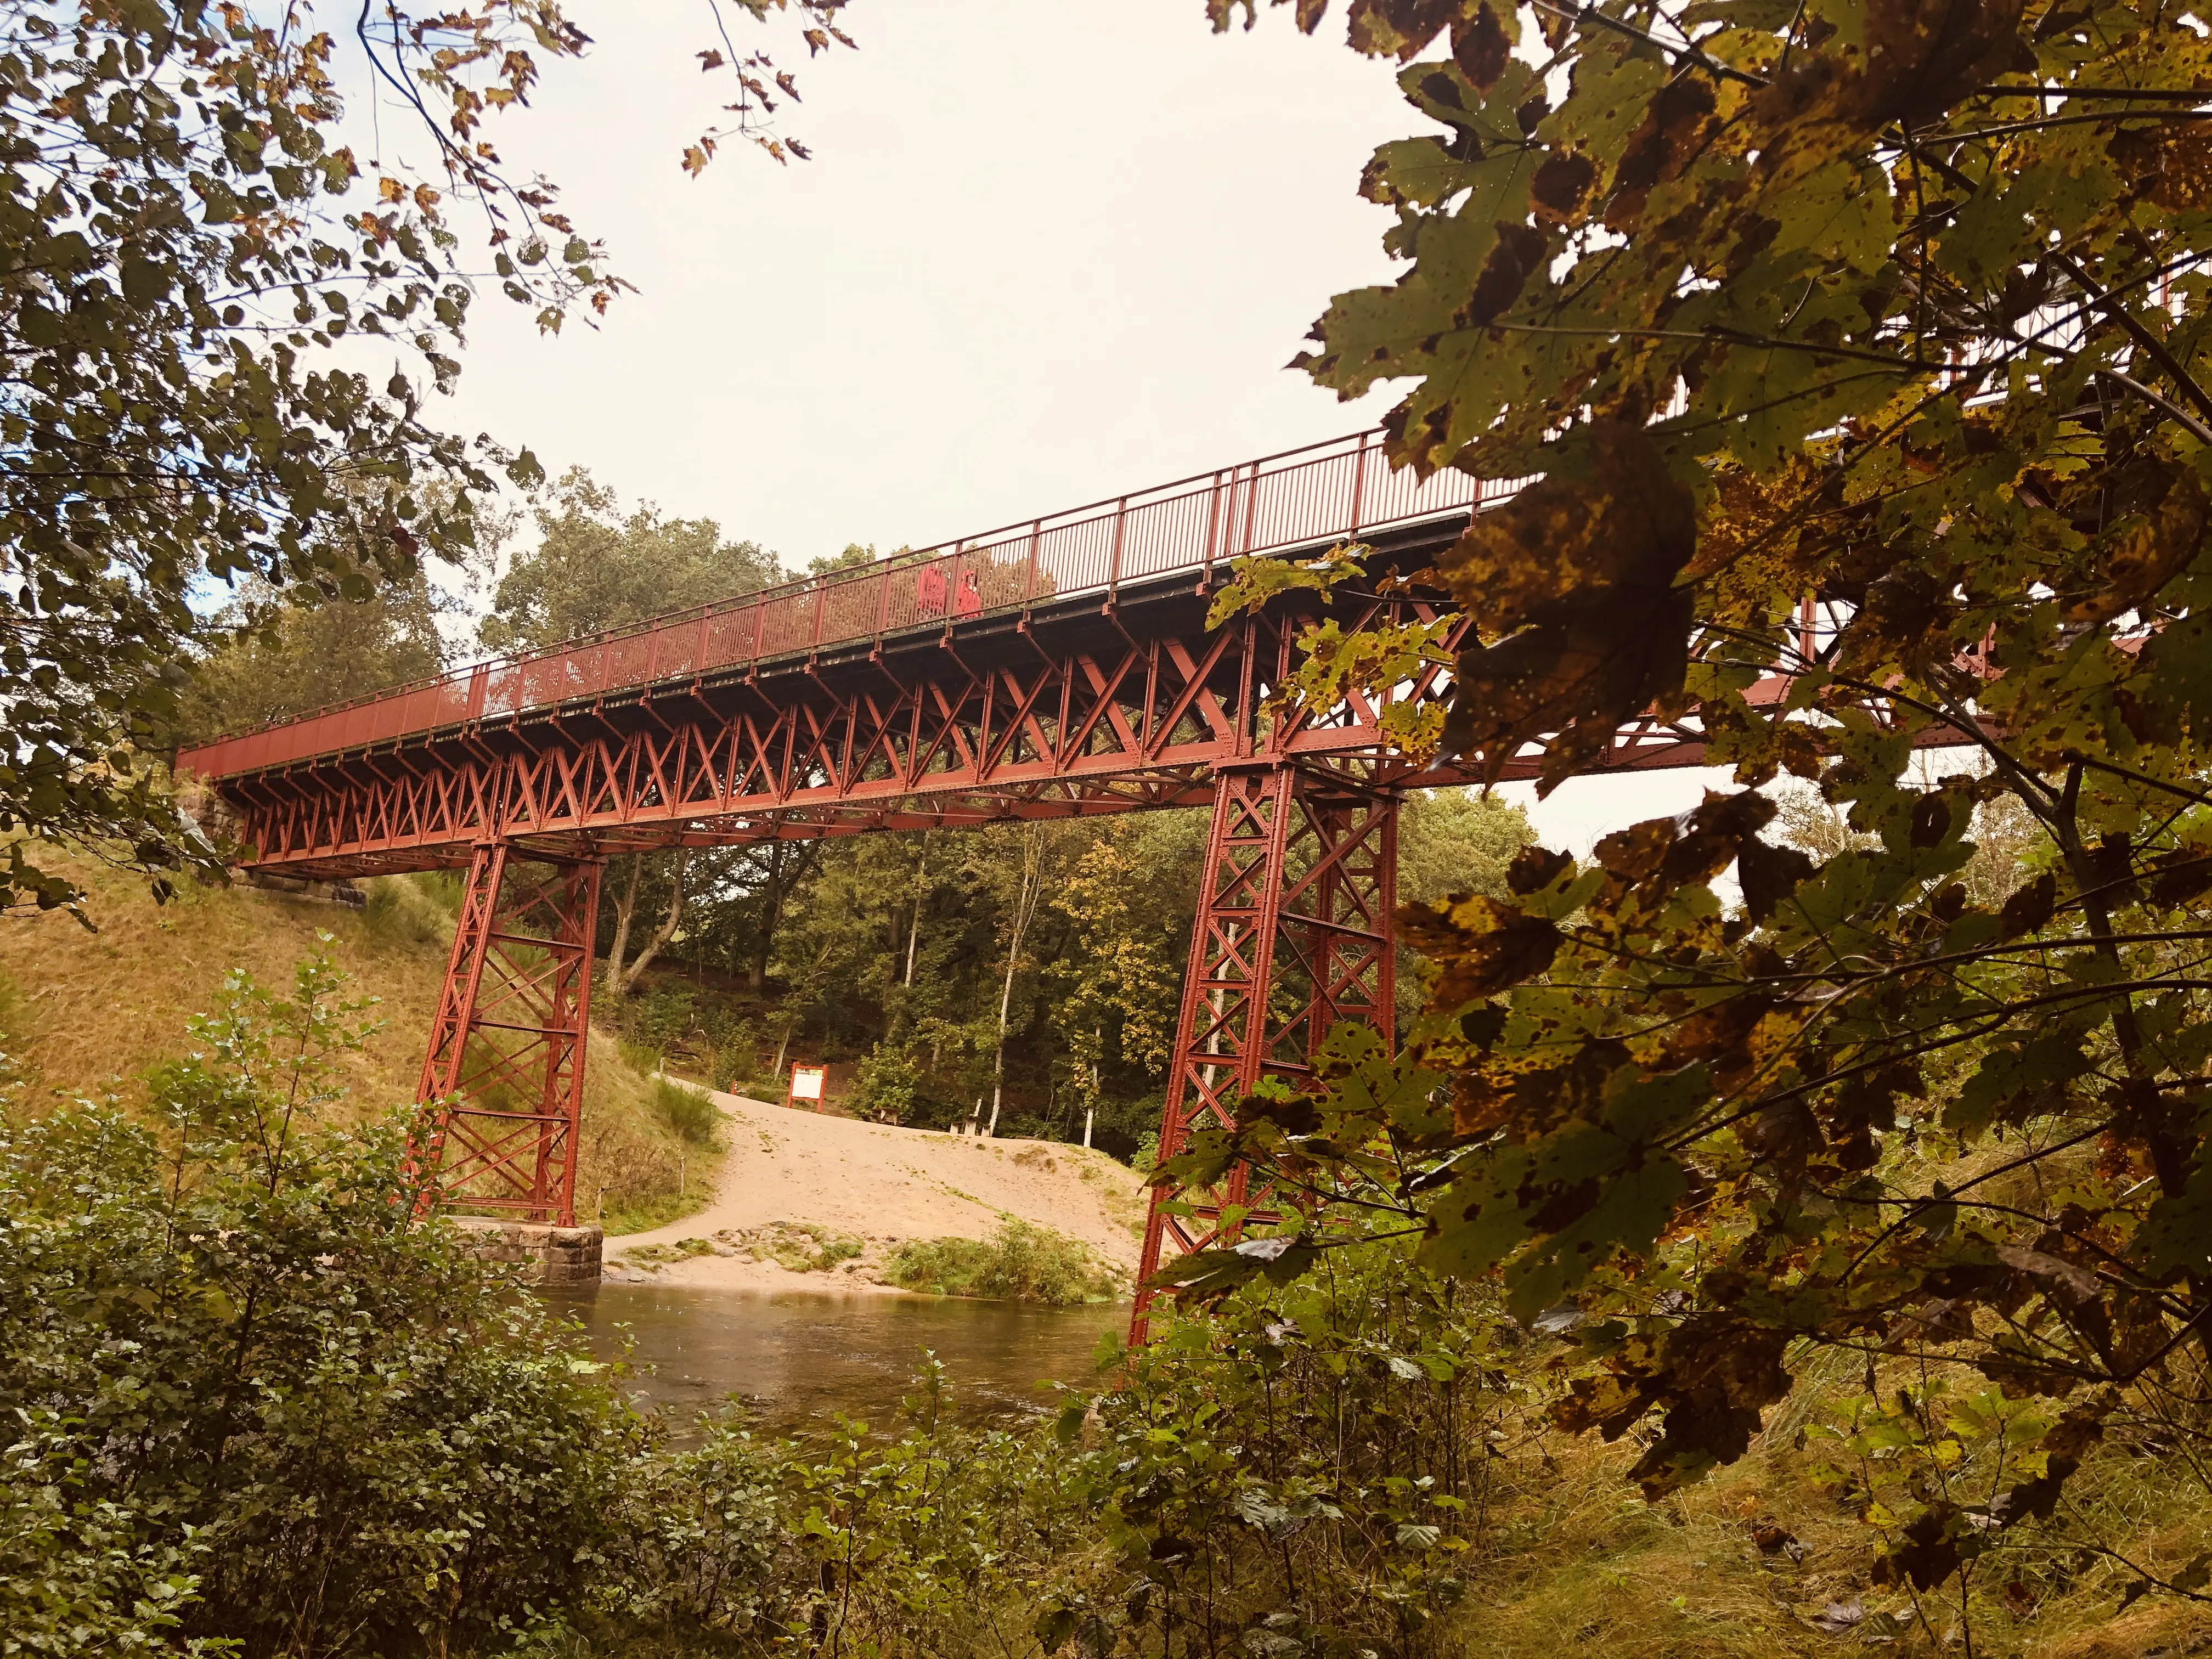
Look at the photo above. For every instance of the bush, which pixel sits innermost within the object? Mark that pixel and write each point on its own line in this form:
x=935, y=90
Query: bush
x=692, y=1115
x=253, y=1400
x=1020, y=1263
x=658, y=1021
x=733, y=1055
x=885, y=1085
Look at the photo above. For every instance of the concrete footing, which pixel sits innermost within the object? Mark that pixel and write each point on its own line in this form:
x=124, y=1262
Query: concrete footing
x=561, y=1255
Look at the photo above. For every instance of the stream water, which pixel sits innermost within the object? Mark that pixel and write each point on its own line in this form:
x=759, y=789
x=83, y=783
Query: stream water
x=796, y=1357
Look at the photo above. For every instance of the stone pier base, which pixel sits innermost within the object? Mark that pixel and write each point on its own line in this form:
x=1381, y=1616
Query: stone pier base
x=561, y=1255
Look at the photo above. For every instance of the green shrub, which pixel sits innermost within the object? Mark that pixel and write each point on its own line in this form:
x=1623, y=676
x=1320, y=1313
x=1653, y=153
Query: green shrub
x=885, y=1084
x=251, y=1399
x=734, y=1046
x=803, y=1247
x=686, y=1110
x=1019, y=1263
x=658, y=1022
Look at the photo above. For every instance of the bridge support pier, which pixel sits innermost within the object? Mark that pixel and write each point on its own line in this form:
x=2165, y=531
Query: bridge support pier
x=1292, y=934
x=504, y=1077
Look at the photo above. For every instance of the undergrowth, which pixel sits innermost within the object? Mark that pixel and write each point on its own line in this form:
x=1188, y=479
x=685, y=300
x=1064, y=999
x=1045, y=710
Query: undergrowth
x=685, y=1110
x=97, y=1010
x=1020, y=1263
x=1363, y=1461
x=803, y=1247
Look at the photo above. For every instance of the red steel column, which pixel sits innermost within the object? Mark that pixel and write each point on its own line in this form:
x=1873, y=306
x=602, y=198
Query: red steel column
x=504, y=1077
x=1292, y=934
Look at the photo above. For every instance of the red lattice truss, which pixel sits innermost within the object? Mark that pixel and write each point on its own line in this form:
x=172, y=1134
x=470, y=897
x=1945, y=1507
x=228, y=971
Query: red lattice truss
x=1074, y=707
x=505, y=1070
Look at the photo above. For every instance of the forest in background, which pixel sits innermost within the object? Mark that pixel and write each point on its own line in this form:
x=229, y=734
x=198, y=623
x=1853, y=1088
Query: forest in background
x=1025, y=976
x=1763, y=1242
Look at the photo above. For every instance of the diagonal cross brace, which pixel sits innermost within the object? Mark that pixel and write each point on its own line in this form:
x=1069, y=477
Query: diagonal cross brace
x=503, y=1084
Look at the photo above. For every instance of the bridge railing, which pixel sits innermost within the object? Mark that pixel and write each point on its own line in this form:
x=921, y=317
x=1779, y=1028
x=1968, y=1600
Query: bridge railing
x=1324, y=492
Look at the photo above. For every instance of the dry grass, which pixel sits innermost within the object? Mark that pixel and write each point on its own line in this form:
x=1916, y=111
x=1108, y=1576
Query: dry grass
x=85, y=1012
x=1583, y=1566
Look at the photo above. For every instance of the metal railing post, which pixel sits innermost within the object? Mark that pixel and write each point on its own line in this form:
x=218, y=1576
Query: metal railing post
x=1213, y=528
x=1358, y=482
x=1114, y=565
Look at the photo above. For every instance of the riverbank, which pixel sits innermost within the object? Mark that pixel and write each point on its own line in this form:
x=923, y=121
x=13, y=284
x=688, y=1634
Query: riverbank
x=844, y=1193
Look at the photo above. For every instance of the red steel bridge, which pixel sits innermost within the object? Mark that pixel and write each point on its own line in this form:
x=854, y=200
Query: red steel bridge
x=1056, y=668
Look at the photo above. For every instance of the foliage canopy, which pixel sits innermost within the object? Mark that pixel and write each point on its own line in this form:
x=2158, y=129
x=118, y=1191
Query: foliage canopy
x=203, y=287
x=1867, y=343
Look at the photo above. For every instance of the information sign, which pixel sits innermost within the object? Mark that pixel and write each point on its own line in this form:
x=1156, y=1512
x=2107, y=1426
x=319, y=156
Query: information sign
x=806, y=1083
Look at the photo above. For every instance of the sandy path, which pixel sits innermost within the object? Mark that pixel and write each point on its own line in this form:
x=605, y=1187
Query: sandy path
x=887, y=1185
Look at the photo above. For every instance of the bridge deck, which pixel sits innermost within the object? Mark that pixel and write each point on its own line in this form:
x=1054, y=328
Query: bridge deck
x=1304, y=498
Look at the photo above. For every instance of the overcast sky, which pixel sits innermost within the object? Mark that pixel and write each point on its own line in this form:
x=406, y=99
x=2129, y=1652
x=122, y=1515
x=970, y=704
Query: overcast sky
x=1047, y=252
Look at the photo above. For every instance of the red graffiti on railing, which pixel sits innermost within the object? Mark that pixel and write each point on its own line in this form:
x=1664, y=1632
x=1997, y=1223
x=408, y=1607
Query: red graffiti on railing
x=1303, y=497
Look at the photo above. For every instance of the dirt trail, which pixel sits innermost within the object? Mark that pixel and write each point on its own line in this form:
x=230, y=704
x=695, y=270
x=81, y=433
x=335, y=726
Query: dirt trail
x=884, y=1186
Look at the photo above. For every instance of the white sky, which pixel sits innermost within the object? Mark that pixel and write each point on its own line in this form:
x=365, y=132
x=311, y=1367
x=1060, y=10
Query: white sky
x=1048, y=251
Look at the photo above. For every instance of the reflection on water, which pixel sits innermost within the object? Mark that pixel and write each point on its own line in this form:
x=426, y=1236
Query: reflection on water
x=796, y=1355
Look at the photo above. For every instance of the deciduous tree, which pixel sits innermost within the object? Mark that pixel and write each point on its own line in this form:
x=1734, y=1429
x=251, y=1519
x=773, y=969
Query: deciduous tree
x=595, y=565
x=221, y=323
x=1865, y=342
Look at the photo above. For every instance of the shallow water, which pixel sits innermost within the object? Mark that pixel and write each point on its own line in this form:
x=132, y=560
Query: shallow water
x=798, y=1356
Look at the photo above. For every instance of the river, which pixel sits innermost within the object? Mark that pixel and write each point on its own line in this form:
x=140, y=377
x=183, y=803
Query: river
x=794, y=1357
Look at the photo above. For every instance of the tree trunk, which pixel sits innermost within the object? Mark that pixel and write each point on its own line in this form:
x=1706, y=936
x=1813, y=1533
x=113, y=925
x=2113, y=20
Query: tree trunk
x=920, y=897
x=625, y=908
x=771, y=914
x=1024, y=904
x=786, y=864
x=1090, y=1105
x=622, y=978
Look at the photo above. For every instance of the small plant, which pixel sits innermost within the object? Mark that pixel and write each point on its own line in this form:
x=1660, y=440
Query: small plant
x=1020, y=1263
x=801, y=1247
x=661, y=1255
x=689, y=1113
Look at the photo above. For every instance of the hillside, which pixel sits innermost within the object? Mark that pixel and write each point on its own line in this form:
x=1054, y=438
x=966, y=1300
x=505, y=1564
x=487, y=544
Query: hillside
x=85, y=1012
x=880, y=1185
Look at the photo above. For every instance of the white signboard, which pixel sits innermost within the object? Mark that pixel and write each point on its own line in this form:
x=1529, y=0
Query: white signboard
x=806, y=1082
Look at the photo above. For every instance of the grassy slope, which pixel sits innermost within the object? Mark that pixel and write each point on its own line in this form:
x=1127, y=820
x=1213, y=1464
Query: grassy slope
x=1589, y=1569
x=82, y=1012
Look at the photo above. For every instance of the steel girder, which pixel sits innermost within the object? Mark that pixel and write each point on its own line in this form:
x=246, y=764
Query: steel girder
x=503, y=1082
x=1111, y=720
x=1293, y=935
